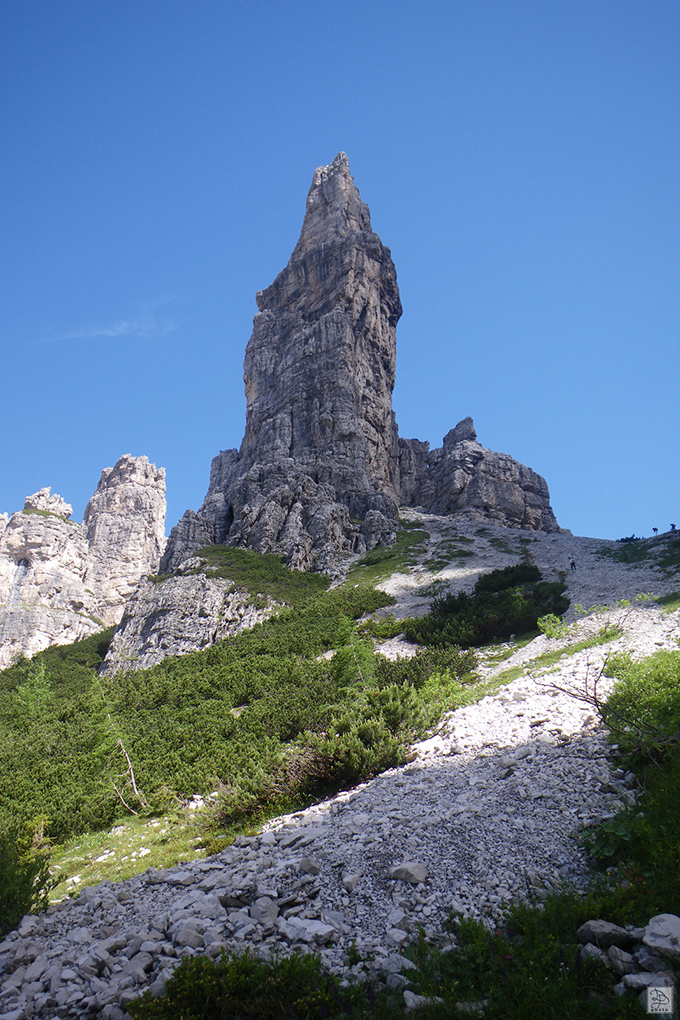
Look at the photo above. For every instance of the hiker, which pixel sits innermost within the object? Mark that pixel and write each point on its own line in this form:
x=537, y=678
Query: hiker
x=572, y=563
x=672, y=527
x=655, y=530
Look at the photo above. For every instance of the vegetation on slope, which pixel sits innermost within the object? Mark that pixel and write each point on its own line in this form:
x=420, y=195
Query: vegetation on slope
x=279, y=726
x=530, y=964
x=504, y=602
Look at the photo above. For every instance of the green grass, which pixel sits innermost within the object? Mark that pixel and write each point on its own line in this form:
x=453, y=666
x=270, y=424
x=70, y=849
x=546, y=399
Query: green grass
x=669, y=602
x=383, y=561
x=42, y=513
x=499, y=543
x=662, y=551
x=549, y=659
x=447, y=552
x=259, y=573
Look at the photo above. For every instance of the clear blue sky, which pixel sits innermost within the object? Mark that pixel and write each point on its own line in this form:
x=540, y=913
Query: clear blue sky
x=520, y=158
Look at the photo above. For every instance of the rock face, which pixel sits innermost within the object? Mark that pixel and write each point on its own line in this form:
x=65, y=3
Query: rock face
x=43, y=598
x=42, y=500
x=124, y=526
x=321, y=469
x=320, y=450
x=60, y=581
x=178, y=615
x=463, y=476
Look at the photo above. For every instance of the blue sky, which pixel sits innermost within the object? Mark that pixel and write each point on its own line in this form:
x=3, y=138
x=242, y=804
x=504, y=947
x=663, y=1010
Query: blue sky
x=520, y=158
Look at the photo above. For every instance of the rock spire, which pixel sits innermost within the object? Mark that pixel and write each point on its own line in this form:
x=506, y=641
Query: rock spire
x=321, y=469
x=61, y=581
x=318, y=468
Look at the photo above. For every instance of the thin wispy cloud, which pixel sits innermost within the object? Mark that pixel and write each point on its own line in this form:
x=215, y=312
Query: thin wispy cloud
x=144, y=327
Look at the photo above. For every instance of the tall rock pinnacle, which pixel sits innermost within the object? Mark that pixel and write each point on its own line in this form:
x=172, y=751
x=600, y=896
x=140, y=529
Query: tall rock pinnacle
x=318, y=468
x=321, y=469
x=320, y=365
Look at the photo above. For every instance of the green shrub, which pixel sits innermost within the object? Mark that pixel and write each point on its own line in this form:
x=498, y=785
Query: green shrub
x=508, y=577
x=420, y=667
x=24, y=880
x=644, y=708
x=504, y=602
x=553, y=626
x=245, y=988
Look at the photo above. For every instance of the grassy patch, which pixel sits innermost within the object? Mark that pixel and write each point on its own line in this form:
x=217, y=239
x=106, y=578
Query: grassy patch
x=42, y=513
x=669, y=602
x=662, y=551
x=447, y=552
x=260, y=574
x=383, y=561
x=129, y=847
x=549, y=659
x=499, y=543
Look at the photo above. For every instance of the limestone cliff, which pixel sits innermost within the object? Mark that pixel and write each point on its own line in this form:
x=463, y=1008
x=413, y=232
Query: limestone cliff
x=61, y=581
x=462, y=477
x=178, y=615
x=124, y=526
x=318, y=469
x=321, y=468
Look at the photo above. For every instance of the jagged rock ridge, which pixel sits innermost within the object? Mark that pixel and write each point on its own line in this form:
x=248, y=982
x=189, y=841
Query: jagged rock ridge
x=461, y=476
x=61, y=581
x=321, y=469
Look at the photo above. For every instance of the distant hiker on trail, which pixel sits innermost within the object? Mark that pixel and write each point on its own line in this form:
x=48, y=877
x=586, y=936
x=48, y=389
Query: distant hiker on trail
x=655, y=530
x=672, y=527
x=572, y=563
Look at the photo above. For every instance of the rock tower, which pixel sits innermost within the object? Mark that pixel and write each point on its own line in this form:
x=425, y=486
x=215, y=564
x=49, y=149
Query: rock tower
x=318, y=468
x=321, y=469
x=61, y=581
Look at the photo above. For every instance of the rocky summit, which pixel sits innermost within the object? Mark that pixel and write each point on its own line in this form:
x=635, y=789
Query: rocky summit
x=463, y=477
x=321, y=469
x=61, y=581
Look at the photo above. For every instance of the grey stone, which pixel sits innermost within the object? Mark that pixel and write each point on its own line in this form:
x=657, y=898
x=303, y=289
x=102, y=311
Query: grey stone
x=605, y=934
x=309, y=866
x=663, y=935
x=643, y=980
x=621, y=961
x=593, y=952
x=414, y=1001
x=409, y=871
